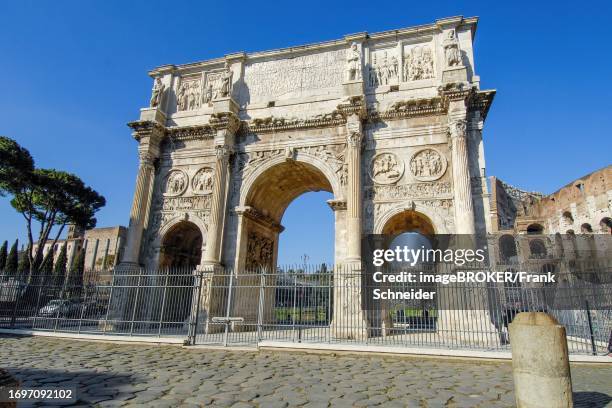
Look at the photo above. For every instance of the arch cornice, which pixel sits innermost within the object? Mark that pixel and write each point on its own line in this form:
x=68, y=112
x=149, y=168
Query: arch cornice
x=437, y=221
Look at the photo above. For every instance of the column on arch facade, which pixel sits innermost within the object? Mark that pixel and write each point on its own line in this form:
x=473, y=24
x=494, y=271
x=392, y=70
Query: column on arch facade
x=353, y=189
x=462, y=189
x=149, y=136
x=226, y=125
x=349, y=320
x=463, y=312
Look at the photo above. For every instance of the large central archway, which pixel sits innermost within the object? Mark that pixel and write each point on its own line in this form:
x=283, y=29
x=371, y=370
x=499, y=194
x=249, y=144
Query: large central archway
x=264, y=199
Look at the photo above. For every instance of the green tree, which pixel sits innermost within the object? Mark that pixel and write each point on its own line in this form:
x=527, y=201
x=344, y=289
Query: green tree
x=49, y=197
x=59, y=270
x=3, y=254
x=16, y=167
x=23, y=269
x=11, y=261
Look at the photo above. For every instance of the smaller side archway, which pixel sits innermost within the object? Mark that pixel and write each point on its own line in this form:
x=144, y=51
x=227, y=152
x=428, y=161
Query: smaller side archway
x=408, y=221
x=537, y=249
x=181, y=247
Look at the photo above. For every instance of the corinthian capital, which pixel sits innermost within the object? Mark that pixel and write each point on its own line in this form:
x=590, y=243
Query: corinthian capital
x=146, y=158
x=457, y=128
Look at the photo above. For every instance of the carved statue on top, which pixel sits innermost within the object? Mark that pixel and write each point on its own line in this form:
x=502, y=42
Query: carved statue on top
x=353, y=62
x=452, y=52
x=208, y=94
x=158, y=93
x=224, y=85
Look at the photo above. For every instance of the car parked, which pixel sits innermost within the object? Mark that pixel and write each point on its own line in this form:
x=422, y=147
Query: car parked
x=59, y=307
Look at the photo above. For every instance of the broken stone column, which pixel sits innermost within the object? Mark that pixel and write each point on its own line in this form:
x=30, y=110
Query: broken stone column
x=540, y=362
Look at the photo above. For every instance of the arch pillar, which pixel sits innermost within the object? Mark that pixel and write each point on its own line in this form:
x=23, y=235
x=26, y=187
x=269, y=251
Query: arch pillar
x=149, y=135
x=225, y=124
x=350, y=320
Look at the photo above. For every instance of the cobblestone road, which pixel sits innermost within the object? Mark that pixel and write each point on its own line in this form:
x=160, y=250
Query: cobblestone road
x=109, y=375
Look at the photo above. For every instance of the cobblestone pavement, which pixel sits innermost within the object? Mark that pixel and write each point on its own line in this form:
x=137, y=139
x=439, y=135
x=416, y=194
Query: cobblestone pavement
x=109, y=375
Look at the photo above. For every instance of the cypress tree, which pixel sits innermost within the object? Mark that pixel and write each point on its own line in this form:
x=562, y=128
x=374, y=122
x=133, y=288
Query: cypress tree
x=59, y=270
x=3, y=254
x=23, y=269
x=11, y=261
x=47, y=267
x=75, y=277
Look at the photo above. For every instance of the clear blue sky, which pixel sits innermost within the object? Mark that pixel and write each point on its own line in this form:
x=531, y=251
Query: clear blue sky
x=74, y=73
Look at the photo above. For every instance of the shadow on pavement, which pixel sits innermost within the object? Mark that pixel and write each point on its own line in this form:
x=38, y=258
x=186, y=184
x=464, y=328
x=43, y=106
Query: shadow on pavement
x=591, y=399
x=91, y=387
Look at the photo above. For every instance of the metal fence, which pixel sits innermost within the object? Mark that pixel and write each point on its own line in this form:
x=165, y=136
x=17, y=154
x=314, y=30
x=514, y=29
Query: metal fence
x=314, y=304
x=133, y=303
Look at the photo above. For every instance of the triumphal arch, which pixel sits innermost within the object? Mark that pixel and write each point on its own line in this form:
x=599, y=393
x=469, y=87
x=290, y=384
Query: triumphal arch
x=390, y=123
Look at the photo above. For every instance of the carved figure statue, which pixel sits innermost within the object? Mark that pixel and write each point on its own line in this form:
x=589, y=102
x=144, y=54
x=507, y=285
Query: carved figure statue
x=451, y=49
x=209, y=92
x=158, y=93
x=225, y=79
x=418, y=64
x=181, y=97
x=353, y=61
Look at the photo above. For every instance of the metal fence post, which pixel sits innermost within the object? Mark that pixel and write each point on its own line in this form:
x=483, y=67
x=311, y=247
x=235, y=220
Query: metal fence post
x=588, y=312
x=293, y=307
x=163, y=306
x=37, y=306
x=15, y=307
x=228, y=309
x=136, y=301
x=328, y=318
x=108, y=306
x=260, y=310
x=195, y=317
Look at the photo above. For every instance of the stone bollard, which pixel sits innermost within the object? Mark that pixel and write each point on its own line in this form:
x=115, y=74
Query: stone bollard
x=540, y=362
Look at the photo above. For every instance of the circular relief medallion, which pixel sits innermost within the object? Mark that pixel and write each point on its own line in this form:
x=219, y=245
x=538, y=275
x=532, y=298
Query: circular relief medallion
x=202, y=181
x=386, y=168
x=176, y=183
x=427, y=165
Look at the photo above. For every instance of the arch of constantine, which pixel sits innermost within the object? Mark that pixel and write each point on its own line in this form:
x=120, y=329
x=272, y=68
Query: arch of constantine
x=389, y=123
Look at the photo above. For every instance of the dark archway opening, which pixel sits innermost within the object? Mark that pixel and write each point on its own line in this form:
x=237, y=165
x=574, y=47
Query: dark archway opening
x=181, y=247
x=414, y=231
x=181, y=252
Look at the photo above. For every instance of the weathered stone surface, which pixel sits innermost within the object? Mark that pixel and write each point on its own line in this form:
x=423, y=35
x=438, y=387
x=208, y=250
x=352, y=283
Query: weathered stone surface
x=283, y=379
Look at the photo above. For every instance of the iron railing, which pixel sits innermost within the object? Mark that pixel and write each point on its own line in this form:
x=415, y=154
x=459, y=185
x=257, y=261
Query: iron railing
x=312, y=304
